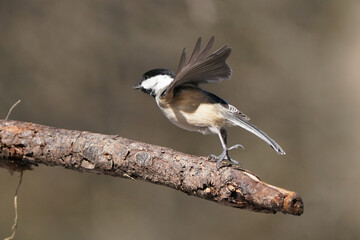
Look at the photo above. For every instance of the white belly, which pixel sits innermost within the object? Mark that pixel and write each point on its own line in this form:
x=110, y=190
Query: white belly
x=205, y=118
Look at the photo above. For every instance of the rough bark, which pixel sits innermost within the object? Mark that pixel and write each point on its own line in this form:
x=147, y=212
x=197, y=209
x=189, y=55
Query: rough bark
x=24, y=143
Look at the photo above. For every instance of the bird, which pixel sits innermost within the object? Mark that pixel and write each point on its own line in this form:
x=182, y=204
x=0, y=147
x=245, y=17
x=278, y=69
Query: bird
x=190, y=107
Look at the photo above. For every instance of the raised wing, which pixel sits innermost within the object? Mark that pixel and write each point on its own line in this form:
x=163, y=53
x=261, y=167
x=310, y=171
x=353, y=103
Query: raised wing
x=201, y=68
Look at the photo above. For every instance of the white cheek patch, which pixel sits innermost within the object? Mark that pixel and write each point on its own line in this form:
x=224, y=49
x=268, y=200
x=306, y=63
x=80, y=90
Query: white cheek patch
x=157, y=83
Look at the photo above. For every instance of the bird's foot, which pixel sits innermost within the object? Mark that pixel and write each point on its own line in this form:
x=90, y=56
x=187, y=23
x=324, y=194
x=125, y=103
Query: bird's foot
x=225, y=156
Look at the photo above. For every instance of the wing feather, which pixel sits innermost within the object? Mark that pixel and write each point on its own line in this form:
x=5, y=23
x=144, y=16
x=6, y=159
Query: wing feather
x=201, y=67
x=206, y=49
x=196, y=50
x=182, y=62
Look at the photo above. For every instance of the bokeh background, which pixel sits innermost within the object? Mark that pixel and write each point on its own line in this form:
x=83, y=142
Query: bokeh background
x=296, y=73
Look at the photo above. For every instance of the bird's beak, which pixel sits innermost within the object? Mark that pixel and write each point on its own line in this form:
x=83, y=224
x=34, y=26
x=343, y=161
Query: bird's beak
x=137, y=86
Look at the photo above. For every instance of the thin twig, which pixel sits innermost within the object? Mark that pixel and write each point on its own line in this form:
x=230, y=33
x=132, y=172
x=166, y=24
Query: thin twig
x=12, y=107
x=13, y=229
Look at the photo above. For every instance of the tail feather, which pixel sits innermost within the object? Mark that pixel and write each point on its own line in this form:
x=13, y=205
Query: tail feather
x=253, y=129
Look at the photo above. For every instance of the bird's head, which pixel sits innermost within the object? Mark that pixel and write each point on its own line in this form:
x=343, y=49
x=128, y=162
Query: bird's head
x=155, y=81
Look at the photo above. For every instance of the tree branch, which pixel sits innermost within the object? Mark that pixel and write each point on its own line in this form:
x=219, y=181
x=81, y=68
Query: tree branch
x=24, y=143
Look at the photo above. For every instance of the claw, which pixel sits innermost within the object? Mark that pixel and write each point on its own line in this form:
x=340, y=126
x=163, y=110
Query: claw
x=235, y=146
x=225, y=156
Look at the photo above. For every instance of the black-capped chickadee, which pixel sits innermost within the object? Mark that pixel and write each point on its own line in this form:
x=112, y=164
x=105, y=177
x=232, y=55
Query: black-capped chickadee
x=192, y=108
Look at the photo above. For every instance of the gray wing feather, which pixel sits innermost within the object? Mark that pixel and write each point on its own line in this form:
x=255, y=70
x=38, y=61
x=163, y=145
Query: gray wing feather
x=239, y=114
x=230, y=108
x=201, y=68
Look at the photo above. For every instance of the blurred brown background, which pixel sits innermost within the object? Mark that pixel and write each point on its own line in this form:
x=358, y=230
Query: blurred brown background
x=295, y=73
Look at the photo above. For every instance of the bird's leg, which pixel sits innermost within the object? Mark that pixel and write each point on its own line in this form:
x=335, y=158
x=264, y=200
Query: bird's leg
x=225, y=154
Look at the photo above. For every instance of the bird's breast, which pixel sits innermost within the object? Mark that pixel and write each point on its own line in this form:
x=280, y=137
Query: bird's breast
x=192, y=110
